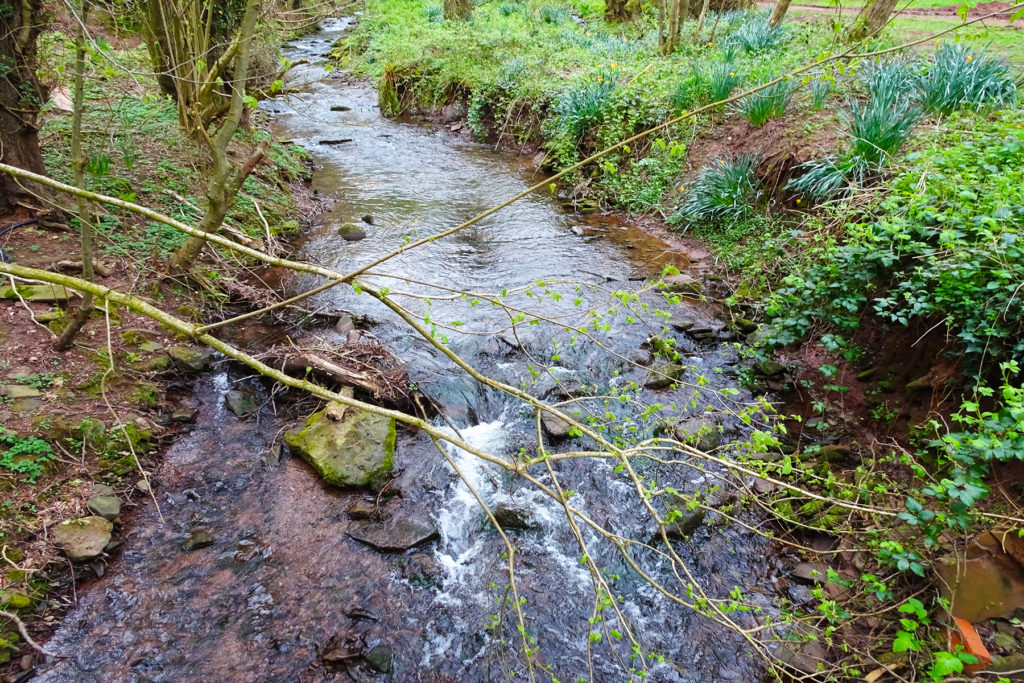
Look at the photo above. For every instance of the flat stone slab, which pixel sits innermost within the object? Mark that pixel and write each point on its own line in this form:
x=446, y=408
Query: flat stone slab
x=394, y=534
x=83, y=539
x=44, y=292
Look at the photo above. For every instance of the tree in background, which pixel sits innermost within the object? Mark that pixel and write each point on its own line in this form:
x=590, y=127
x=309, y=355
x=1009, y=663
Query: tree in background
x=458, y=10
x=21, y=94
x=872, y=19
x=621, y=10
x=779, y=13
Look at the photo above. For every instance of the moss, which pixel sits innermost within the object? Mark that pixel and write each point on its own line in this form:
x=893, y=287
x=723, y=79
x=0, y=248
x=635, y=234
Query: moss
x=144, y=394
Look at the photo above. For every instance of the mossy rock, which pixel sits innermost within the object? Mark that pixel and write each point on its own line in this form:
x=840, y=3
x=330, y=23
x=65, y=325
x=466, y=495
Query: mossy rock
x=348, y=448
x=83, y=539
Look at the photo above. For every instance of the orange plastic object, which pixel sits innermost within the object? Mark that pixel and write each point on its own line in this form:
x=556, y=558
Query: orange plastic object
x=966, y=635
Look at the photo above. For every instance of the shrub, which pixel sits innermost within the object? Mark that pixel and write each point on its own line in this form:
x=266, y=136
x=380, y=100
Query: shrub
x=434, y=13
x=722, y=80
x=582, y=106
x=553, y=15
x=725, y=190
x=765, y=104
x=958, y=77
x=756, y=34
x=879, y=129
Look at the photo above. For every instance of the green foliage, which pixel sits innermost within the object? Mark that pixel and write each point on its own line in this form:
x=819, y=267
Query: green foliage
x=879, y=128
x=692, y=91
x=889, y=81
x=947, y=251
x=769, y=103
x=642, y=185
x=821, y=88
x=583, y=105
x=722, y=80
x=756, y=34
x=26, y=455
x=724, y=190
x=959, y=77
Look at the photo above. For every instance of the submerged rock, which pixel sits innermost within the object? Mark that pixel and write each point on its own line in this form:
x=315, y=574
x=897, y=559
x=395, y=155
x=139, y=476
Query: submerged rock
x=199, y=538
x=702, y=435
x=347, y=447
x=394, y=534
x=240, y=402
x=83, y=539
x=664, y=375
x=380, y=659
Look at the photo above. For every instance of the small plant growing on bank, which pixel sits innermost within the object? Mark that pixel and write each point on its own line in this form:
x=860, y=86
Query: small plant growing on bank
x=691, y=92
x=582, y=106
x=880, y=129
x=769, y=103
x=724, y=190
x=821, y=88
x=889, y=82
x=757, y=34
x=960, y=77
x=722, y=80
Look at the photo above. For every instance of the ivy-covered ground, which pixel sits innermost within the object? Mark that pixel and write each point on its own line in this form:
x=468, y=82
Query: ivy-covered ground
x=866, y=212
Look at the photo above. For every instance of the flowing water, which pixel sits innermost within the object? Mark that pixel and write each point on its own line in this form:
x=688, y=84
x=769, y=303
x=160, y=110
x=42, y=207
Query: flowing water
x=283, y=593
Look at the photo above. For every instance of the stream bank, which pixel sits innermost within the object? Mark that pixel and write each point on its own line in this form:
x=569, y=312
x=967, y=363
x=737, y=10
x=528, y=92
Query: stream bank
x=257, y=558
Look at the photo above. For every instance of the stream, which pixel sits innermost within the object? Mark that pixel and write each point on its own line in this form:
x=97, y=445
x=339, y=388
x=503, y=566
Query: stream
x=283, y=593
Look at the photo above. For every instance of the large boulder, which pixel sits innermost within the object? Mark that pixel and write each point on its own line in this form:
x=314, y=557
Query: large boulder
x=83, y=539
x=347, y=447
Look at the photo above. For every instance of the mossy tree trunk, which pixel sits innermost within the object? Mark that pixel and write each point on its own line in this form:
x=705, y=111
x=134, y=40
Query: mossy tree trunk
x=678, y=10
x=21, y=95
x=458, y=10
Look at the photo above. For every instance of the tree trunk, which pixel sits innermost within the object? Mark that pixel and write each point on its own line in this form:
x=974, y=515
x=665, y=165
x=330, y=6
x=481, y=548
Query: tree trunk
x=458, y=10
x=21, y=95
x=67, y=338
x=872, y=19
x=621, y=10
x=700, y=20
x=156, y=43
x=223, y=186
x=779, y=13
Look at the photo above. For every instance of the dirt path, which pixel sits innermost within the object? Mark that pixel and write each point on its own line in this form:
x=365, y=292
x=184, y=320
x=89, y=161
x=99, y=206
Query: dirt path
x=948, y=12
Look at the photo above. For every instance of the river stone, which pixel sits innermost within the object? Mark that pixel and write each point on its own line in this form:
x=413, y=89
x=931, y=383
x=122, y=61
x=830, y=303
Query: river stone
x=351, y=232
x=190, y=358
x=704, y=436
x=240, y=402
x=555, y=426
x=680, y=284
x=811, y=572
x=199, y=538
x=988, y=583
x=362, y=509
x=184, y=415
x=348, y=448
x=344, y=325
x=105, y=505
x=43, y=293
x=380, y=659
x=664, y=375
x=513, y=516
x=687, y=522
x=83, y=539
x=394, y=534
x=17, y=391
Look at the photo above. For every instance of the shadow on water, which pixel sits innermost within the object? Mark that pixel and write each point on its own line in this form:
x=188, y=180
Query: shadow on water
x=282, y=593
